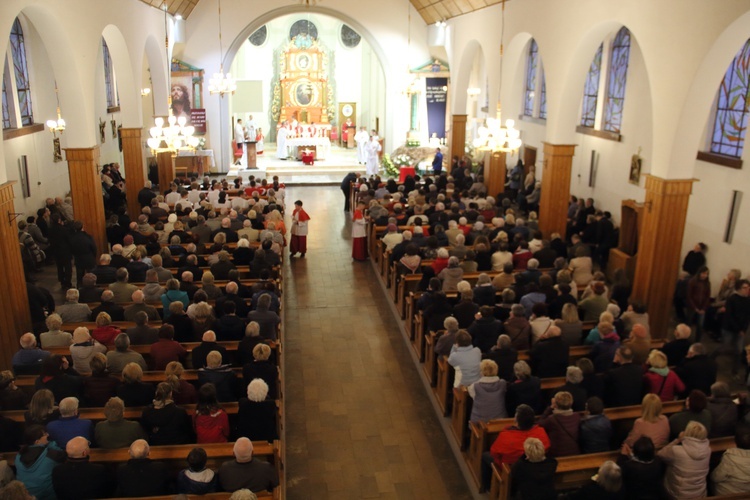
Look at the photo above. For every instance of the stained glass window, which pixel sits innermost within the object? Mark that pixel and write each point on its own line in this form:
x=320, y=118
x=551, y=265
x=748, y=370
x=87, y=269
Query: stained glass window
x=259, y=37
x=18, y=50
x=109, y=77
x=349, y=37
x=730, y=126
x=591, y=90
x=528, y=107
x=618, y=74
x=543, y=97
x=6, y=112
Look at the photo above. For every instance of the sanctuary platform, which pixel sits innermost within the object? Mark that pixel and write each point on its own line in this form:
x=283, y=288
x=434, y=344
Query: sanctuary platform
x=332, y=170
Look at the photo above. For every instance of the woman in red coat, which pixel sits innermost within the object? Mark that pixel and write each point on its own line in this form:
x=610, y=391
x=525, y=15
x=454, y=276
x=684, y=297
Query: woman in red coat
x=660, y=380
x=698, y=299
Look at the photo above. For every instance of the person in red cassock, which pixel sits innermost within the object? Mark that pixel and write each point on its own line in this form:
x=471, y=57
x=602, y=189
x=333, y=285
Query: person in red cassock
x=299, y=230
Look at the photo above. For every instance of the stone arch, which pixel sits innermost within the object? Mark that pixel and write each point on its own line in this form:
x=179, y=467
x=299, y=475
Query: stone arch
x=469, y=54
x=513, y=77
x=126, y=86
x=153, y=52
x=696, y=115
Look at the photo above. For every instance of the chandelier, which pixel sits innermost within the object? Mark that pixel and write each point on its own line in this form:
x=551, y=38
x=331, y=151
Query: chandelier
x=58, y=125
x=220, y=83
x=494, y=137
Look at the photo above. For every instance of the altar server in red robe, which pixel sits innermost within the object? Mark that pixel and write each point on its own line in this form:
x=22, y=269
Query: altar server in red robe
x=299, y=230
x=359, y=233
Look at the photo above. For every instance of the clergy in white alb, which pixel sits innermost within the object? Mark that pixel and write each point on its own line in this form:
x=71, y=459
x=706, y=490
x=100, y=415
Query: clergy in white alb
x=361, y=139
x=281, y=141
x=373, y=162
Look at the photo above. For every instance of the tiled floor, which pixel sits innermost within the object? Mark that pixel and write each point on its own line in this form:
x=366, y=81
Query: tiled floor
x=358, y=422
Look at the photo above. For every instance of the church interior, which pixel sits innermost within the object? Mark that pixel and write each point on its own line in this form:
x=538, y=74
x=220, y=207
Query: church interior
x=640, y=106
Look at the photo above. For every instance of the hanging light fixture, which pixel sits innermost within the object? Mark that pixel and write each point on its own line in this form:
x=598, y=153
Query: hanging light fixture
x=493, y=136
x=221, y=84
x=173, y=134
x=58, y=125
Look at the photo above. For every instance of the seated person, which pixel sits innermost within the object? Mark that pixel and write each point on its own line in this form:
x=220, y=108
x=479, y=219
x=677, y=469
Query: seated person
x=28, y=361
x=677, y=350
x=262, y=367
x=562, y=426
x=133, y=391
x=72, y=311
x=596, y=428
x=642, y=471
x=123, y=354
x=247, y=472
x=77, y=477
x=165, y=422
x=36, y=460
x=696, y=409
x=465, y=359
x=210, y=421
x=509, y=444
x=605, y=485
x=488, y=394
x=100, y=386
x=115, y=431
x=256, y=416
x=197, y=479
x=573, y=379
x=220, y=375
x=733, y=473
x=534, y=473
x=141, y=476
x=69, y=425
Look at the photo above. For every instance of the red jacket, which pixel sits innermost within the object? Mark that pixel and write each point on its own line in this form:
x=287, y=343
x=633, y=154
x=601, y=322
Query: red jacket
x=508, y=447
x=105, y=334
x=212, y=428
x=439, y=264
x=671, y=386
x=699, y=294
x=164, y=351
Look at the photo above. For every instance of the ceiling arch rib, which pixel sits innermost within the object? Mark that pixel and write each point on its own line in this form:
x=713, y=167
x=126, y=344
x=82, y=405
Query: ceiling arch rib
x=431, y=11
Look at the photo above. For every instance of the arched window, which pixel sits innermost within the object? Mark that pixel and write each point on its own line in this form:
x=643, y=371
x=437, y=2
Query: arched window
x=730, y=124
x=543, y=105
x=6, y=112
x=616, y=79
x=109, y=78
x=591, y=90
x=21, y=71
x=531, y=65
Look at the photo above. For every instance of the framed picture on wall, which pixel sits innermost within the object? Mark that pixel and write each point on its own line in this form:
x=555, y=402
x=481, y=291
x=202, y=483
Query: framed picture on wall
x=56, y=150
x=636, y=163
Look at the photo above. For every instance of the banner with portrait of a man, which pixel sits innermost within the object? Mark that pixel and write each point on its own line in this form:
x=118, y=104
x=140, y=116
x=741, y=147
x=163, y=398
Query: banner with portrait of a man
x=181, y=91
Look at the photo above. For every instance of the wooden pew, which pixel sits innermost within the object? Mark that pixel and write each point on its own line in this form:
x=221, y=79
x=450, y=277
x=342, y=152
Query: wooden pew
x=131, y=413
x=262, y=495
x=27, y=381
x=483, y=434
x=575, y=471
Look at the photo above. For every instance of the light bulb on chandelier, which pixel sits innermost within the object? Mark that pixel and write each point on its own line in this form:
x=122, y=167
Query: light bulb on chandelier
x=220, y=83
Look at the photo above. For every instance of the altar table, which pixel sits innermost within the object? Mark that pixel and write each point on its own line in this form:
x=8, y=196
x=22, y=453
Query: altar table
x=404, y=172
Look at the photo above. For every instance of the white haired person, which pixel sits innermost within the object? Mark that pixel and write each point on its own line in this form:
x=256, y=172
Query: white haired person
x=245, y=472
x=488, y=394
x=256, y=416
x=606, y=484
x=28, y=360
x=687, y=459
x=300, y=220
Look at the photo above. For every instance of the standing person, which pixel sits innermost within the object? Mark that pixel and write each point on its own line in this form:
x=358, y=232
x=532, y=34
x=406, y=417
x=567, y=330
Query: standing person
x=735, y=323
x=239, y=138
x=299, y=230
x=361, y=139
x=373, y=148
x=515, y=177
x=59, y=239
x=281, y=135
x=359, y=233
x=437, y=163
x=259, y=141
x=250, y=126
x=346, y=186
x=698, y=300
x=84, y=251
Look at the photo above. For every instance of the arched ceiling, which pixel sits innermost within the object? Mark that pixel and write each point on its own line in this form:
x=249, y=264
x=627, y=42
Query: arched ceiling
x=431, y=11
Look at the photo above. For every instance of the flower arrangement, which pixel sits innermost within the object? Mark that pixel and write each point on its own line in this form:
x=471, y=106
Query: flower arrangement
x=403, y=160
x=412, y=143
x=201, y=144
x=389, y=167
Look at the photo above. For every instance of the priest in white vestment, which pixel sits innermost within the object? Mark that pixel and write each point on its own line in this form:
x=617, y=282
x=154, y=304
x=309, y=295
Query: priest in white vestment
x=361, y=139
x=373, y=162
x=281, y=135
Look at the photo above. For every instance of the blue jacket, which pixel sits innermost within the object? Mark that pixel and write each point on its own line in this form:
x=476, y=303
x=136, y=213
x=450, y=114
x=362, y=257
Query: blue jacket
x=467, y=360
x=596, y=433
x=34, y=469
x=66, y=428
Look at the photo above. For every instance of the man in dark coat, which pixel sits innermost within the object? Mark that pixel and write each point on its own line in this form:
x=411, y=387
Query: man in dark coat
x=108, y=305
x=201, y=351
x=145, y=195
x=77, y=478
x=624, y=384
x=549, y=356
x=84, y=251
x=485, y=330
x=695, y=259
x=140, y=476
x=697, y=370
x=59, y=247
x=346, y=187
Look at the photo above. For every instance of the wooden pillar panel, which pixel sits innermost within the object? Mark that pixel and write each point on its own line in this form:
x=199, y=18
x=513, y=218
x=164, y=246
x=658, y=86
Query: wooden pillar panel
x=135, y=175
x=15, y=318
x=458, y=137
x=86, y=191
x=659, y=247
x=494, y=173
x=553, y=204
x=166, y=170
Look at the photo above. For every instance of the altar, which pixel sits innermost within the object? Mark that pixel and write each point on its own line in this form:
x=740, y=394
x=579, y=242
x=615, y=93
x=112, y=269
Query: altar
x=189, y=160
x=321, y=146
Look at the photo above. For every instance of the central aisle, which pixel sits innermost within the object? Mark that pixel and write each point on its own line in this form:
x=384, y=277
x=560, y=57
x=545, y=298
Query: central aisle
x=358, y=421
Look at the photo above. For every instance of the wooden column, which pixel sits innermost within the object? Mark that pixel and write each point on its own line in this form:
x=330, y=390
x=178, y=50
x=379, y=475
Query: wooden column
x=135, y=175
x=659, y=247
x=166, y=170
x=15, y=319
x=86, y=191
x=553, y=205
x=494, y=173
x=458, y=137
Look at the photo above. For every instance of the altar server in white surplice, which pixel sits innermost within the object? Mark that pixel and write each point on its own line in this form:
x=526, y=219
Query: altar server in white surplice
x=251, y=127
x=361, y=139
x=373, y=162
x=281, y=141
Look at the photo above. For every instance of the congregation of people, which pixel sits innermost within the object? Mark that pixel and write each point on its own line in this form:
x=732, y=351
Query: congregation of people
x=199, y=264
x=541, y=295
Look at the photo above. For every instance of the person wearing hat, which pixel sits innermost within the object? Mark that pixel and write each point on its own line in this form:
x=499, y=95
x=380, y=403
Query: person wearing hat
x=300, y=220
x=594, y=305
